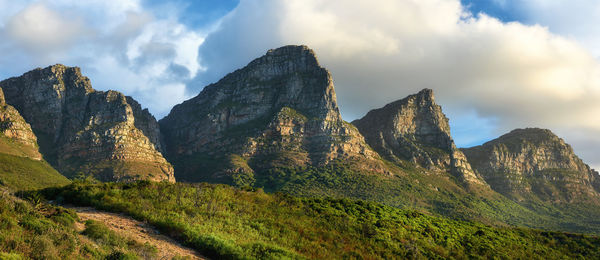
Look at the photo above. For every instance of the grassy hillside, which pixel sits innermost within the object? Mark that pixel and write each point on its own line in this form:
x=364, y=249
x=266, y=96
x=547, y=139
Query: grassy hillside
x=12, y=147
x=21, y=173
x=438, y=194
x=32, y=230
x=224, y=222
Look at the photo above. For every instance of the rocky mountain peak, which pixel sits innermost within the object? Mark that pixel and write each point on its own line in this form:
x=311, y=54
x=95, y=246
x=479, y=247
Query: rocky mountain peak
x=417, y=117
x=281, y=105
x=534, y=161
x=81, y=130
x=292, y=58
x=415, y=129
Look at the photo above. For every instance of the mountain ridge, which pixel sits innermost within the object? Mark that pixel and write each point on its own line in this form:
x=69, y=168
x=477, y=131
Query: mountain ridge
x=275, y=124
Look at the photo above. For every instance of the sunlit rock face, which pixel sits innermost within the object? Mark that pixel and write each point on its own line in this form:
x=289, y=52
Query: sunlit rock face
x=535, y=162
x=16, y=136
x=415, y=130
x=279, y=110
x=83, y=131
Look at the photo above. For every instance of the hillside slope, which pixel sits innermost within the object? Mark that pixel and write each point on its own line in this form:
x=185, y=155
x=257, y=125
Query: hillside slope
x=224, y=222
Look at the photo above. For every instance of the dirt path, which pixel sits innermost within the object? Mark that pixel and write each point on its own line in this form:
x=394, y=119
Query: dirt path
x=136, y=230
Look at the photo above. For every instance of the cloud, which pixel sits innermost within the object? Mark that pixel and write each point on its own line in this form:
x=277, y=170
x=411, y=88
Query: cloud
x=41, y=30
x=577, y=19
x=120, y=45
x=508, y=75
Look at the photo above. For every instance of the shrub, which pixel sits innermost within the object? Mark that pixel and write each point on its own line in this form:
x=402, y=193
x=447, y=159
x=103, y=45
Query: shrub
x=118, y=255
x=102, y=234
x=64, y=219
x=38, y=225
x=42, y=247
x=217, y=247
x=10, y=256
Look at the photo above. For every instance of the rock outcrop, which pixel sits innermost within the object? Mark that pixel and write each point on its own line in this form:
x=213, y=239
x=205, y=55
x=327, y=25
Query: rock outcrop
x=414, y=129
x=280, y=109
x=534, y=162
x=83, y=131
x=16, y=136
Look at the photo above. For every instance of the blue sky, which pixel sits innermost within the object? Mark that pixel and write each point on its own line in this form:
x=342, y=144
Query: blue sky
x=494, y=65
x=505, y=10
x=196, y=13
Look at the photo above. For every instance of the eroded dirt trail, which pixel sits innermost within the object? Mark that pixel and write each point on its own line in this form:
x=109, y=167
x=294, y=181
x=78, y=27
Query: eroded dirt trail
x=136, y=230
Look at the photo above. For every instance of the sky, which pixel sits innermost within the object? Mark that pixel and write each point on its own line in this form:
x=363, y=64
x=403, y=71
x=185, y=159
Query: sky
x=494, y=65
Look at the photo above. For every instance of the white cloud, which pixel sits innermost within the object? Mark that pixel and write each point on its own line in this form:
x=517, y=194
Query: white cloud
x=577, y=19
x=42, y=30
x=118, y=44
x=510, y=74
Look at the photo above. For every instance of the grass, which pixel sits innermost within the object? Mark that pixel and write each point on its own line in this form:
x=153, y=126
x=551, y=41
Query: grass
x=229, y=223
x=431, y=193
x=21, y=173
x=13, y=147
x=30, y=229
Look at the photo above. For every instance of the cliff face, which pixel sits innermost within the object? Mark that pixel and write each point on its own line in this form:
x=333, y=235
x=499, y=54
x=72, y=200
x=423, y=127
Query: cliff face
x=81, y=130
x=414, y=129
x=16, y=136
x=280, y=109
x=534, y=162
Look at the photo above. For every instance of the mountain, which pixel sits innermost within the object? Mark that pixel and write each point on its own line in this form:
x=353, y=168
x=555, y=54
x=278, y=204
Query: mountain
x=21, y=164
x=275, y=124
x=84, y=131
x=414, y=129
x=534, y=162
x=279, y=110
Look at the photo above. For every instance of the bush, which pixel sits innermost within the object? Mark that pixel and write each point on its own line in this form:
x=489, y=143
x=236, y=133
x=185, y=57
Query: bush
x=11, y=256
x=102, y=234
x=38, y=225
x=43, y=247
x=263, y=250
x=217, y=247
x=118, y=255
x=64, y=219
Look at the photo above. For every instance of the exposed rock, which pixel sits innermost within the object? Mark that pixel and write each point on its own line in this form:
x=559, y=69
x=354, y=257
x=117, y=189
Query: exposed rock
x=414, y=129
x=279, y=109
x=86, y=131
x=535, y=162
x=16, y=136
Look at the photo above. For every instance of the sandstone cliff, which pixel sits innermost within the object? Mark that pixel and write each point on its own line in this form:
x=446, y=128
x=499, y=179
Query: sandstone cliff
x=534, y=162
x=279, y=110
x=414, y=129
x=16, y=136
x=83, y=131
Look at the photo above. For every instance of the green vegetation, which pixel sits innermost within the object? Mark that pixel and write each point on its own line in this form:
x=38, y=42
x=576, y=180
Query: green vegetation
x=107, y=170
x=20, y=173
x=435, y=194
x=12, y=147
x=224, y=222
x=30, y=229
